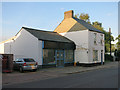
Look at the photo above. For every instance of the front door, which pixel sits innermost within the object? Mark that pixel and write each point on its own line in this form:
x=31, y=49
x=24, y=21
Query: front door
x=59, y=58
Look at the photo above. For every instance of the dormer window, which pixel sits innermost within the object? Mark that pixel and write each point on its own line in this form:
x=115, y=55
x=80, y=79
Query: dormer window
x=95, y=38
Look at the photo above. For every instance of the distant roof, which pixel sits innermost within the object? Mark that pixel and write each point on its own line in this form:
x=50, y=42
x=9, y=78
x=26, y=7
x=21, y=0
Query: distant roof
x=47, y=35
x=86, y=25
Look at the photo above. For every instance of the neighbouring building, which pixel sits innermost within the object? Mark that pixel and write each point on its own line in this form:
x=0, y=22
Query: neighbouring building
x=89, y=40
x=47, y=48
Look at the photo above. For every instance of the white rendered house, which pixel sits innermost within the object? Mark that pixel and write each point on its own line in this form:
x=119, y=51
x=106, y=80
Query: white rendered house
x=89, y=40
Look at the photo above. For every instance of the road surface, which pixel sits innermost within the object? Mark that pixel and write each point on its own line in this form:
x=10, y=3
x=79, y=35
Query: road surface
x=102, y=78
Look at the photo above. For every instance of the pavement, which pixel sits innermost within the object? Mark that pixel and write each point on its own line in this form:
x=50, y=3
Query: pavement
x=47, y=73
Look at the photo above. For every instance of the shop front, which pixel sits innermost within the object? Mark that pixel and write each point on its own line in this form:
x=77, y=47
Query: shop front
x=58, y=54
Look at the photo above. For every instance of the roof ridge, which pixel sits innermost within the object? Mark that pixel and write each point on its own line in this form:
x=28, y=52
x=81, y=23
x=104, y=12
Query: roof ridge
x=38, y=30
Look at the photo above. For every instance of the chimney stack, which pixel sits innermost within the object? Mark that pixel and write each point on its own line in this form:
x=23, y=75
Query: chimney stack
x=68, y=14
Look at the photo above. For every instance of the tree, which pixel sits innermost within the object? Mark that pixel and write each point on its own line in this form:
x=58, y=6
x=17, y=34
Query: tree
x=118, y=47
x=76, y=16
x=97, y=25
x=84, y=17
x=118, y=43
x=107, y=47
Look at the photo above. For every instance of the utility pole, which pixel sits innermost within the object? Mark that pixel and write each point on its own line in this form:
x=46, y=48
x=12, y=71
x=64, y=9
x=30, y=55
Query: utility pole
x=110, y=40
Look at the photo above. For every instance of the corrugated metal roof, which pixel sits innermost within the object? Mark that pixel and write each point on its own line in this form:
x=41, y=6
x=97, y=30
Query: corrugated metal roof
x=86, y=25
x=47, y=35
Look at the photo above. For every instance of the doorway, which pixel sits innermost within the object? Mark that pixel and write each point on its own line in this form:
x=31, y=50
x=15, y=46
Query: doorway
x=60, y=58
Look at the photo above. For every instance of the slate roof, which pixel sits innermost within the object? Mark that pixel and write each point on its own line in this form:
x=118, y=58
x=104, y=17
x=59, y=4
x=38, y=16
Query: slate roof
x=86, y=25
x=47, y=35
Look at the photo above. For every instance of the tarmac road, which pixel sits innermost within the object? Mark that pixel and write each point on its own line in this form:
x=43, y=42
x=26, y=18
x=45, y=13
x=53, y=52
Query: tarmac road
x=102, y=78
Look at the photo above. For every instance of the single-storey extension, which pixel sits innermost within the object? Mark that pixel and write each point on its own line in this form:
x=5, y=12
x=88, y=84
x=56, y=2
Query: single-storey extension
x=47, y=48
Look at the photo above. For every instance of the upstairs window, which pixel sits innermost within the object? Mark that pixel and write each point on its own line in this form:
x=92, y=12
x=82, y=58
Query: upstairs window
x=95, y=38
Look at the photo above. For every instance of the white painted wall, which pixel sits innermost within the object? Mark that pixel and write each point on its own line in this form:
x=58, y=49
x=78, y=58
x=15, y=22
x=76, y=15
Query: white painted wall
x=25, y=45
x=84, y=41
x=97, y=46
x=40, y=52
x=1, y=48
x=8, y=47
x=80, y=38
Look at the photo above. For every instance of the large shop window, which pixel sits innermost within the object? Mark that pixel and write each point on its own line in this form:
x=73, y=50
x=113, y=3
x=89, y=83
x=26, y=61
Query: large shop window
x=48, y=56
x=69, y=56
x=95, y=55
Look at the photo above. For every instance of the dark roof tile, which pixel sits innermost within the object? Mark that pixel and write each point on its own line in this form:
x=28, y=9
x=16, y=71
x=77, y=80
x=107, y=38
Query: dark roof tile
x=47, y=35
x=86, y=25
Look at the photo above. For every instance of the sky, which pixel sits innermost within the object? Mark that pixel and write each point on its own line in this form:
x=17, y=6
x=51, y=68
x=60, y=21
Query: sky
x=48, y=15
x=118, y=18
